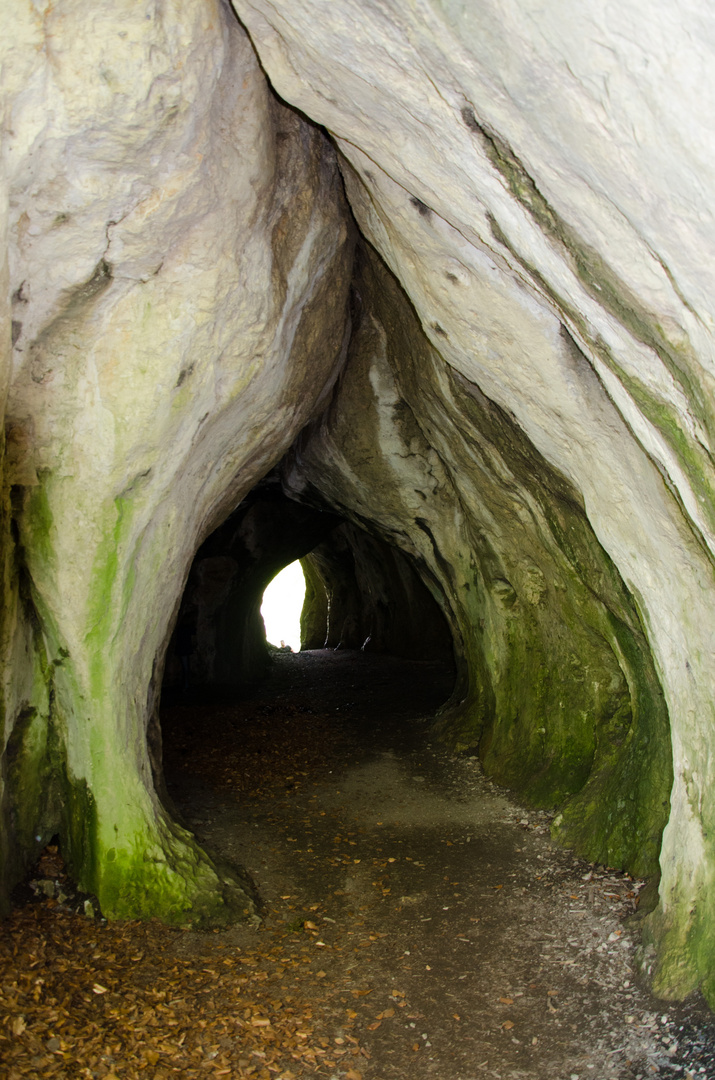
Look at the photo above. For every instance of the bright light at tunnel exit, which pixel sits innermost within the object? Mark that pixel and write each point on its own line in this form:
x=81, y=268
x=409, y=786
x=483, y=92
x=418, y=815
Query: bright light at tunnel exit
x=282, y=605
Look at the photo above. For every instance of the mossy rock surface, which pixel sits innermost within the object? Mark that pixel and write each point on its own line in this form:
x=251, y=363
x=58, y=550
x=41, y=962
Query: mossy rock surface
x=556, y=685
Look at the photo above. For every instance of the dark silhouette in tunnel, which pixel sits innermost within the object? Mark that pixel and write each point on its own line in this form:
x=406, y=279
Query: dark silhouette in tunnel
x=360, y=594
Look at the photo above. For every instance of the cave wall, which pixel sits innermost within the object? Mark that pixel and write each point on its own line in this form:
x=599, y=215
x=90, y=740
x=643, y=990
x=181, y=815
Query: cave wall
x=314, y=614
x=538, y=177
x=556, y=688
x=530, y=419
x=178, y=257
x=374, y=600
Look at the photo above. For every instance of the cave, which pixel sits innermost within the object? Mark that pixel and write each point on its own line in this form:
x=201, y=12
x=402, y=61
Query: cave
x=361, y=593
x=419, y=296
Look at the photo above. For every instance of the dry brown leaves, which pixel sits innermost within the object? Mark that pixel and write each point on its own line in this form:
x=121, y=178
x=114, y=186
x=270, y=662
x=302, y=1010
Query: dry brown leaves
x=257, y=751
x=84, y=999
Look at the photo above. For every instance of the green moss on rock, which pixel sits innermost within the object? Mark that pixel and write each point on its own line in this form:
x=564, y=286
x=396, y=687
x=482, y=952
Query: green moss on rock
x=68, y=770
x=557, y=687
x=314, y=613
x=168, y=876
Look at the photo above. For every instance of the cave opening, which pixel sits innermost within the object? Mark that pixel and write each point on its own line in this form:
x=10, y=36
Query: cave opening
x=282, y=606
x=373, y=661
x=348, y=588
x=495, y=348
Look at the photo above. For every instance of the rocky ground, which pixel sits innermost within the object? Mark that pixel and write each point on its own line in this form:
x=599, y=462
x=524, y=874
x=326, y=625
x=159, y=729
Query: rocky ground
x=416, y=922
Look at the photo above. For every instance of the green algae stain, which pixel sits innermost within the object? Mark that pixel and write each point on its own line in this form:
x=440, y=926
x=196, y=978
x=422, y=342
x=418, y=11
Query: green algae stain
x=599, y=280
x=106, y=609
x=677, y=937
x=29, y=774
x=557, y=691
x=167, y=875
x=619, y=816
x=39, y=521
x=692, y=455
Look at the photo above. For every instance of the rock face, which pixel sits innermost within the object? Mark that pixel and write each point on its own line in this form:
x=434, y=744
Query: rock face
x=179, y=259
x=373, y=599
x=533, y=174
x=518, y=395
x=556, y=685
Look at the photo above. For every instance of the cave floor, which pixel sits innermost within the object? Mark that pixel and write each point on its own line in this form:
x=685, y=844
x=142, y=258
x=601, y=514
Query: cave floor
x=434, y=925
x=416, y=922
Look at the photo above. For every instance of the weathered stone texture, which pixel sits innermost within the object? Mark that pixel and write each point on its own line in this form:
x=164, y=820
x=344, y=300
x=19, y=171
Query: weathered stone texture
x=179, y=260
x=526, y=411
x=556, y=686
x=537, y=176
x=377, y=600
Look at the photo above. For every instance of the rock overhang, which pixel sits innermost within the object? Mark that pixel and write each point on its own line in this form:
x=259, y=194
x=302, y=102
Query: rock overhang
x=528, y=420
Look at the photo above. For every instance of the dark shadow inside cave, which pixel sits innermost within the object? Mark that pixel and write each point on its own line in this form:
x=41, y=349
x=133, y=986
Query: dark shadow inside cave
x=361, y=593
x=377, y=653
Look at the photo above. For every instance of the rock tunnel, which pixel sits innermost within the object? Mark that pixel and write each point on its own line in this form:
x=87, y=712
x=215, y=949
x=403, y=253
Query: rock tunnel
x=422, y=291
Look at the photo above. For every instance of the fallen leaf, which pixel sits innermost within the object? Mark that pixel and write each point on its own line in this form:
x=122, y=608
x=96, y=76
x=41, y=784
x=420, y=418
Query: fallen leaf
x=415, y=1046
x=508, y=1025
x=97, y=989
x=374, y=1025
x=507, y=1001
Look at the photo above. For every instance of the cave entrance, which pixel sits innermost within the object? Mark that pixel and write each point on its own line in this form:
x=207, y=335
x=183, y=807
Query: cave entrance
x=239, y=716
x=282, y=607
x=360, y=593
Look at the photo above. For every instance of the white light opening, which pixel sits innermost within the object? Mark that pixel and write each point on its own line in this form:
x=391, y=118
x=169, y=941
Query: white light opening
x=282, y=605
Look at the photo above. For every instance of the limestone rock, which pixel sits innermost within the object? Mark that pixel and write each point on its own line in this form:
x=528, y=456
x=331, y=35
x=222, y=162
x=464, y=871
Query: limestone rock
x=527, y=409
x=377, y=600
x=538, y=178
x=556, y=686
x=179, y=258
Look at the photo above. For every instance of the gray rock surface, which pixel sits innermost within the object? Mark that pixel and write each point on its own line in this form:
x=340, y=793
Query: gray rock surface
x=179, y=258
x=530, y=418
x=538, y=178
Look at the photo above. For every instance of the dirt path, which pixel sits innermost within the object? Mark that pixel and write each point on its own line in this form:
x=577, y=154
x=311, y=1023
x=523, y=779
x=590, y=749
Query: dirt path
x=445, y=932
x=417, y=924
